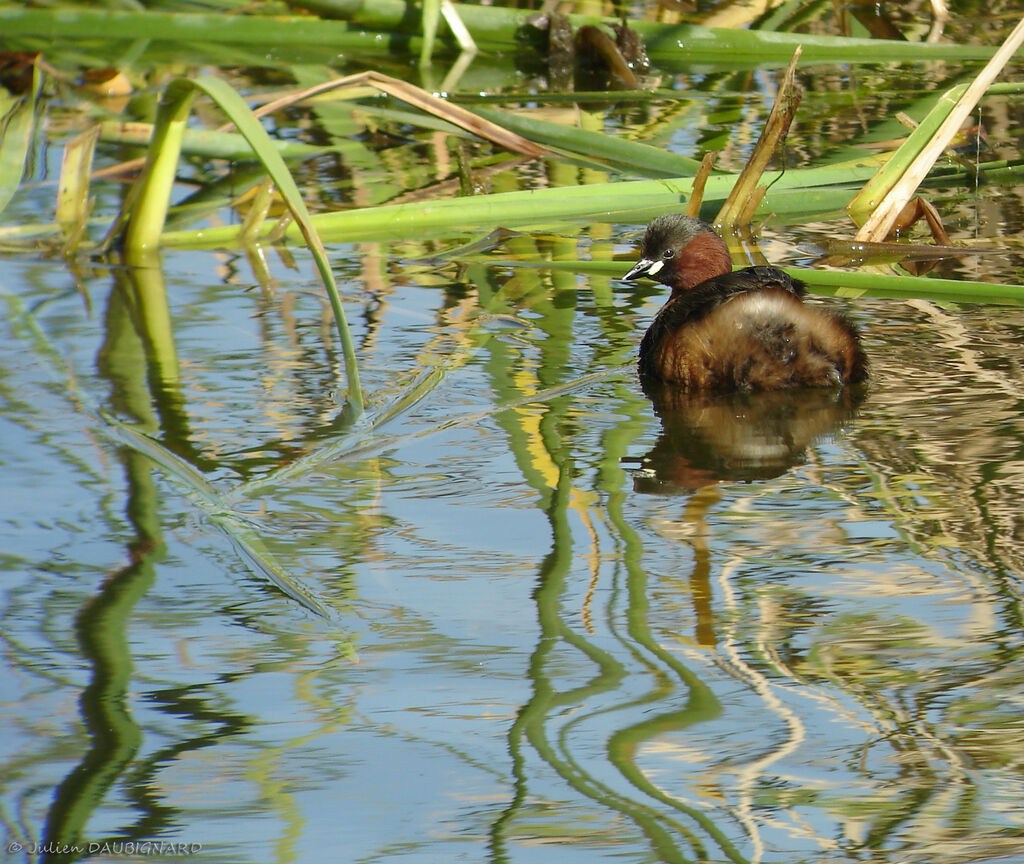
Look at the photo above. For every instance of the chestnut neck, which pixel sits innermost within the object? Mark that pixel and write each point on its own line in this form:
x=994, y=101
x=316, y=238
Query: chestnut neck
x=704, y=257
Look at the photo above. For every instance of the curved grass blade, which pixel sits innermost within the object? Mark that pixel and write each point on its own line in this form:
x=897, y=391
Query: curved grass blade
x=249, y=126
x=150, y=209
x=420, y=98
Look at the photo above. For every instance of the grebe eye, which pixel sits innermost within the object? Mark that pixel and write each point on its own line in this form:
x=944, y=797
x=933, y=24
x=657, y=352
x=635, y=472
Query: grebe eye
x=668, y=253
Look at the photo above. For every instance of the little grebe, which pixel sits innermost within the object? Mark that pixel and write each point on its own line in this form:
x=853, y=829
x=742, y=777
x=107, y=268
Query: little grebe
x=736, y=330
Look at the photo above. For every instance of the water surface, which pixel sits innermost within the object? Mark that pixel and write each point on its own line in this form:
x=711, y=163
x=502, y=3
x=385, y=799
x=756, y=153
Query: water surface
x=520, y=611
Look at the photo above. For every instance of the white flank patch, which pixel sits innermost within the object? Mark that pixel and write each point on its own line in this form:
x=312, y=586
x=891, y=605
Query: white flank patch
x=765, y=305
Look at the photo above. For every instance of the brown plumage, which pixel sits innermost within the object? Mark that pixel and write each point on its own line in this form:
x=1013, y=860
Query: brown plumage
x=747, y=329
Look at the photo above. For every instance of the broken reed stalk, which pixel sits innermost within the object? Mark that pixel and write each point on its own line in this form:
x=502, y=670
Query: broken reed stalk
x=73, y=202
x=739, y=207
x=699, y=182
x=880, y=224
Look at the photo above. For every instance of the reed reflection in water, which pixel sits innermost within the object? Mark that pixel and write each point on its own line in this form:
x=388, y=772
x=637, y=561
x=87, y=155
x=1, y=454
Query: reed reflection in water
x=478, y=631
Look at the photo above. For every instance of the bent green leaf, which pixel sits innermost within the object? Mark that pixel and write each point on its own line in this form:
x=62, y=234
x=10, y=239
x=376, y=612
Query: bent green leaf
x=146, y=211
x=17, y=126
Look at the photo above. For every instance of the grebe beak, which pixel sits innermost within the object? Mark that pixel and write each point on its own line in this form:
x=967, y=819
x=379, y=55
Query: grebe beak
x=645, y=267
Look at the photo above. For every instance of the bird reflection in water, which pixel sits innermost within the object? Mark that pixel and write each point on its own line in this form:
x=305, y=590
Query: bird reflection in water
x=710, y=437
x=713, y=437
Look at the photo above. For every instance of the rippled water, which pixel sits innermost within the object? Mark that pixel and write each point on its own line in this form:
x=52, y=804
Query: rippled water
x=520, y=611
x=526, y=617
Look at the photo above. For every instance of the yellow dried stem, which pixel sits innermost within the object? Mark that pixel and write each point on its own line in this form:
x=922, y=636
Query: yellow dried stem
x=774, y=132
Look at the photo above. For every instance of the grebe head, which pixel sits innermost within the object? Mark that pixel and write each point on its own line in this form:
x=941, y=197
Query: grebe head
x=681, y=252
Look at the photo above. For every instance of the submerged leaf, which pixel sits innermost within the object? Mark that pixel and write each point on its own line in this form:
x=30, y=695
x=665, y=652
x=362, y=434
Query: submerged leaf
x=632, y=156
